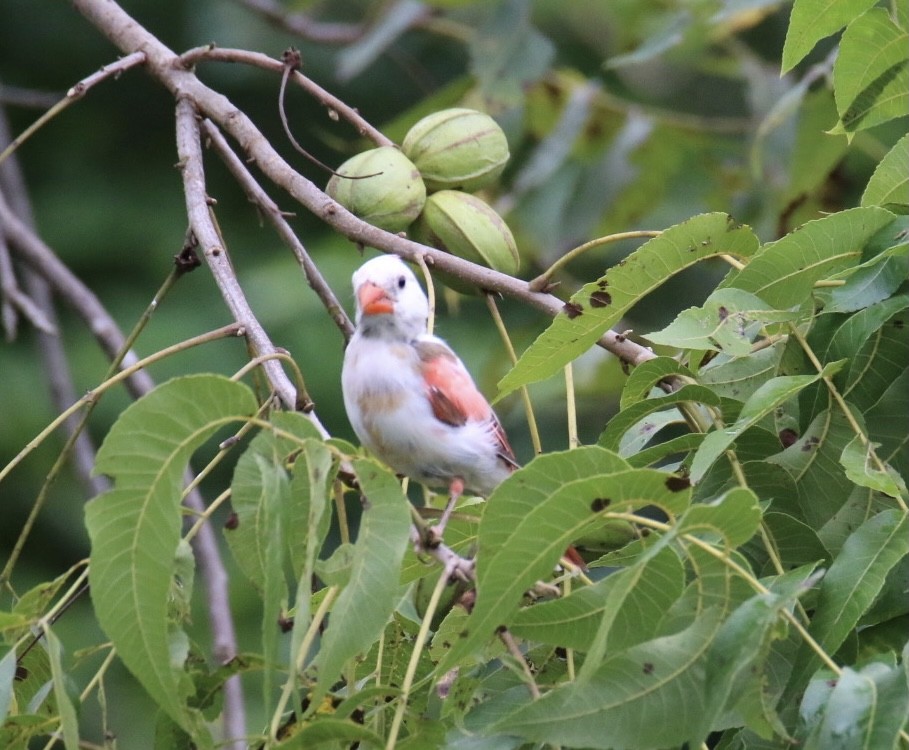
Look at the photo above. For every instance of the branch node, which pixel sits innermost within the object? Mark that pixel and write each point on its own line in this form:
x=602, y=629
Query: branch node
x=292, y=58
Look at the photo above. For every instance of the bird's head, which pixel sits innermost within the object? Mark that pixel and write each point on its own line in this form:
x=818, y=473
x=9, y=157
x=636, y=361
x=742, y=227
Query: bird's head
x=390, y=300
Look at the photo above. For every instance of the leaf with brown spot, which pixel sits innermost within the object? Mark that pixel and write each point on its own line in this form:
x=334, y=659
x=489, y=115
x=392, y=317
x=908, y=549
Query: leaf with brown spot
x=629, y=281
x=600, y=299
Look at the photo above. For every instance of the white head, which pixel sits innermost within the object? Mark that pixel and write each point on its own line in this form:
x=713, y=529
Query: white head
x=390, y=301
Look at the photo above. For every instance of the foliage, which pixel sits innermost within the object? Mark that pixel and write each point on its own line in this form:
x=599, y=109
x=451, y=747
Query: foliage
x=743, y=513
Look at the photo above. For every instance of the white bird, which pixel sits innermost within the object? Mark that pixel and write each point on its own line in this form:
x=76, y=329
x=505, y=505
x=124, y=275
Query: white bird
x=408, y=396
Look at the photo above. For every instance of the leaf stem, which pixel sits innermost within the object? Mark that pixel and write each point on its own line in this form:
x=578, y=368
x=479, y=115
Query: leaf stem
x=51, y=477
x=303, y=402
x=734, y=262
x=207, y=514
x=508, y=639
x=513, y=357
x=430, y=294
x=841, y=403
x=300, y=657
x=341, y=508
x=224, y=448
x=571, y=405
x=74, y=94
x=415, y=655
x=541, y=282
x=741, y=572
x=234, y=329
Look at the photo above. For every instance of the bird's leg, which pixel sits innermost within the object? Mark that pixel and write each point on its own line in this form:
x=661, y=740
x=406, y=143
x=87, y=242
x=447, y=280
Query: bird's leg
x=455, y=489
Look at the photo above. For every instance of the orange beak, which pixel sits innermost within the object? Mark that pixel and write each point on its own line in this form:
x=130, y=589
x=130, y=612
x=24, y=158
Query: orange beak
x=374, y=300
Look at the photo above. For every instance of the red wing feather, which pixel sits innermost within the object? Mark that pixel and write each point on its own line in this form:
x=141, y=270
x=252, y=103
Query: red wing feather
x=453, y=395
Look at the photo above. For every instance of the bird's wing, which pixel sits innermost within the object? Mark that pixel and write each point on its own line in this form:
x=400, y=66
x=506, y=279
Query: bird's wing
x=454, y=396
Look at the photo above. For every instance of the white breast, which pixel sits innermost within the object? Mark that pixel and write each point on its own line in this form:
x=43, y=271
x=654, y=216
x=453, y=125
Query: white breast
x=386, y=402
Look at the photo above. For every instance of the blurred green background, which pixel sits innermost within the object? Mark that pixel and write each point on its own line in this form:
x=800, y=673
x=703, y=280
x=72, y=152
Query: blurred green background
x=621, y=115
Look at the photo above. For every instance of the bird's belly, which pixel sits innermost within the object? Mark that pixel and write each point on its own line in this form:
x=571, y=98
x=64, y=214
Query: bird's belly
x=386, y=402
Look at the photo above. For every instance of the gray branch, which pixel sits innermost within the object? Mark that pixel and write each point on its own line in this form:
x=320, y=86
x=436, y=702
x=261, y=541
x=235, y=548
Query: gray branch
x=170, y=70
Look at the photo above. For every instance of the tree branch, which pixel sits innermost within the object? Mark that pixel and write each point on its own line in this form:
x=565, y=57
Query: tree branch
x=275, y=216
x=37, y=297
x=170, y=70
x=335, y=106
x=31, y=249
x=215, y=254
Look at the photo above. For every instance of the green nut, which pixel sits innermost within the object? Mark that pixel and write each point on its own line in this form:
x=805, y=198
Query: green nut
x=457, y=149
x=389, y=194
x=464, y=225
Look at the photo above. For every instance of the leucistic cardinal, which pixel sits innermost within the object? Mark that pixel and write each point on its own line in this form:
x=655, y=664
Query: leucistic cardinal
x=409, y=397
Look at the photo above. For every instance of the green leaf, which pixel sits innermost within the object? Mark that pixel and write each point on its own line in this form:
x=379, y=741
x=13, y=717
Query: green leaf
x=739, y=378
x=728, y=322
x=865, y=709
x=735, y=517
x=572, y=621
x=649, y=696
x=313, y=471
x=7, y=675
x=647, y=376
x=815, y=153
x=761, y=403
x=812, y=20
x=250, y=539
x=853, y=581
x=890, y=182
x=309, y=514
x=616, y=600
x=871, y=73
x=795, y=541
x=273, y=506
x=507, y=53
x=783, y=273
x=656, y=454
x=887, y=423
x=743, y=644
x=68, y=721
x=632, y=416
x=394, y=21
x=368, y=600
x=601, y=304
x=32, y=605
x=863, y=470
x=535, y=514
x=873, y=281
x=670, y=34
x=330, y=733
x=881, y=358
x=135, y=528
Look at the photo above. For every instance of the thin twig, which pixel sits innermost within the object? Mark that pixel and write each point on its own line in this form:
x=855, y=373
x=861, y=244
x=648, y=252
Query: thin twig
x=513, y=358
x=335, y=107
x=416, y=653
x=32, y=249
x=275, y=216
x=291, y=59
x=50, y=346
x=73, y=95
x=508, y=639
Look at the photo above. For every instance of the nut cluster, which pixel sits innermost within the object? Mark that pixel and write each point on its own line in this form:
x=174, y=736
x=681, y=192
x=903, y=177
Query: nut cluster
x=425, y=187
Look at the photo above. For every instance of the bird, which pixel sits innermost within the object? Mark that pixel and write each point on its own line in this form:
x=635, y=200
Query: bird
x=409, y=397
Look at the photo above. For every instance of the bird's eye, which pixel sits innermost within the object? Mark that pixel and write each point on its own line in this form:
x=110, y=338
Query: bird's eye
x=401, y=282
